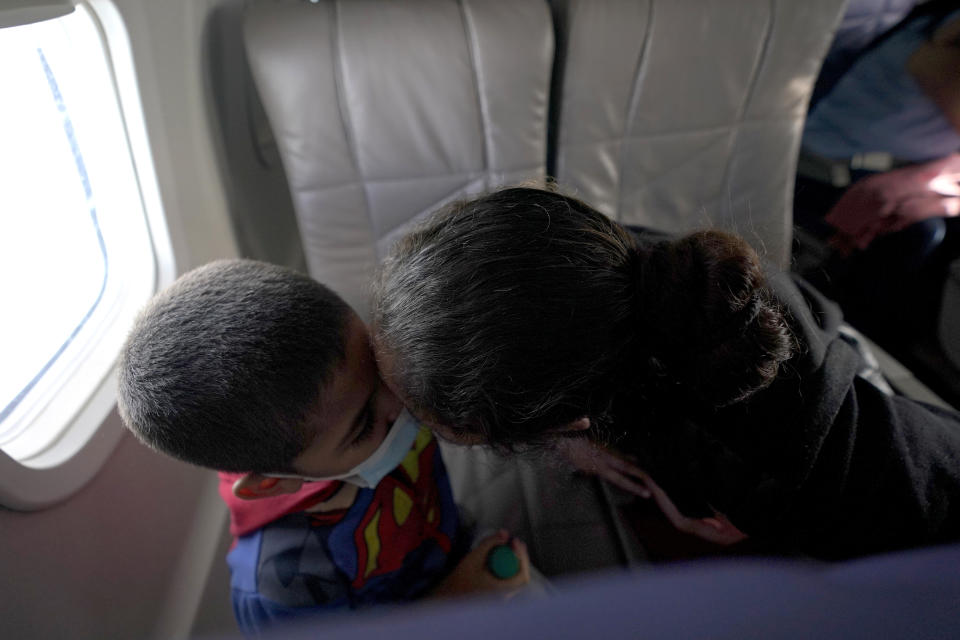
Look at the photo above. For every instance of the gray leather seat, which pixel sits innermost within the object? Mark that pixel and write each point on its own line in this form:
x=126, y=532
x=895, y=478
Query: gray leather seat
x=684, y=114
x=384, y=110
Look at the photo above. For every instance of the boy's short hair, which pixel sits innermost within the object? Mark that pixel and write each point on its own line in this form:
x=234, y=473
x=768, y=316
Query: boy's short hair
x=222, y=368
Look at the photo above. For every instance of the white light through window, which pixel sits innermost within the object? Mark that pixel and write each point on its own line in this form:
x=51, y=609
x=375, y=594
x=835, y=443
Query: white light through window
x=76, y=259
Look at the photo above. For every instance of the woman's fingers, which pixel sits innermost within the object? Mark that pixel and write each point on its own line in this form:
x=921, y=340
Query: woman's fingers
x=677, y=519
x=620, y=472
x=623, y=482
x=626, y=466
x=717, y=529
x=626, y=476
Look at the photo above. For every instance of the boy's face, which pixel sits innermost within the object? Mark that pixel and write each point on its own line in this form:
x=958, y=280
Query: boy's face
x=391, y=381
x=356, y=410
x=388, y=374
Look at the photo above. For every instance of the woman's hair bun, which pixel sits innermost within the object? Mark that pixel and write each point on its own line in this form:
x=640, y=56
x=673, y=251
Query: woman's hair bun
x=709, y=326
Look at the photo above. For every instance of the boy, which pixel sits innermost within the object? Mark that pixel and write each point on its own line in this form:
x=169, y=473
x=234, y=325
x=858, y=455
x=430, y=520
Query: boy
x=338, y=498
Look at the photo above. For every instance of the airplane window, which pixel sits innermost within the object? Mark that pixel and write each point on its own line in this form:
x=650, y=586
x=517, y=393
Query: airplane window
x=75, y=251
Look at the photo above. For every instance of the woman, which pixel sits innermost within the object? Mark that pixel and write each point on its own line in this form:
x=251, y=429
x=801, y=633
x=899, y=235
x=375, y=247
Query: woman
x=526, y=318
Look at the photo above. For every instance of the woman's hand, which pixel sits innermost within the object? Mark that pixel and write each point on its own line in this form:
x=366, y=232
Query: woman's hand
x=621, y=472
x=717, y=529
x=589, y=457
x=472, y=575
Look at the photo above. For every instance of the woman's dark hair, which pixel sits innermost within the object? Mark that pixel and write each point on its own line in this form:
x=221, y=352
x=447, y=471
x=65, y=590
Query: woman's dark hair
x=514, y=313
x=222, y=368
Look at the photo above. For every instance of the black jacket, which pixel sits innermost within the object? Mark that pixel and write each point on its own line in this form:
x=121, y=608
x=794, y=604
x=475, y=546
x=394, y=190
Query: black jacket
x=822, y=462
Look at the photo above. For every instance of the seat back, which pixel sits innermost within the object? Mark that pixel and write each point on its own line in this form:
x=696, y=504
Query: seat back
x=683, y=114
x=384, y=111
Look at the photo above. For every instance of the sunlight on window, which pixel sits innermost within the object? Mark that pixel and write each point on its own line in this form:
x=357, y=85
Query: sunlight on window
x=73, y=238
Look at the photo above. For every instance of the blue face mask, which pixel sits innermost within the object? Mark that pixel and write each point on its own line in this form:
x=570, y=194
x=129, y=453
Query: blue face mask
x=382, y=461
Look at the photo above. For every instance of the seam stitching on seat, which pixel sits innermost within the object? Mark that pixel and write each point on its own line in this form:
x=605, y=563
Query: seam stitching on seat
x=482, y=106
x=679, y=132
x=744, y=106
x=652, y=180
x=345, y=119
x=347, y=183
x=638, y=75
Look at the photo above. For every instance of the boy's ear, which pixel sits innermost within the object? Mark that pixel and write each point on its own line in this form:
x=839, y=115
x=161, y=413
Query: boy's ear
x=580, y=424
x=253, y=486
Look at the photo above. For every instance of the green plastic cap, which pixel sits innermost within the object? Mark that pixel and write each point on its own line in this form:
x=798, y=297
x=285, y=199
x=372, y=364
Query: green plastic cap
x=503, y=562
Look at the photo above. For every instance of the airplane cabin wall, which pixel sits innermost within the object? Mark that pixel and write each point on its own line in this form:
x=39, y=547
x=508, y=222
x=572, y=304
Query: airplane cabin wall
x=129, y=555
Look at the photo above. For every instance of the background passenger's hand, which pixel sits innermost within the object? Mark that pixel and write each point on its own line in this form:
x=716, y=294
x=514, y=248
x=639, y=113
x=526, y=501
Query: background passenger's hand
x=891, y=201
x=589, y=457
x=472, y=575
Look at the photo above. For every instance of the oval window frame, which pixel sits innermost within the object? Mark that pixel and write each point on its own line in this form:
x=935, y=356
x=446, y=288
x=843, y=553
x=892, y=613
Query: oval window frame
x=93, y=428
